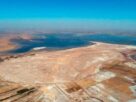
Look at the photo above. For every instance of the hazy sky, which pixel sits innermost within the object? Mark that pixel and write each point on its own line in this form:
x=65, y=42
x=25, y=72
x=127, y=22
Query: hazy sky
x=68, y=14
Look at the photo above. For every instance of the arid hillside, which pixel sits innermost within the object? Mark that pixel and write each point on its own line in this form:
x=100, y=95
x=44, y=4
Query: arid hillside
x=61, y=66
x=97, y=73
x=6, y=44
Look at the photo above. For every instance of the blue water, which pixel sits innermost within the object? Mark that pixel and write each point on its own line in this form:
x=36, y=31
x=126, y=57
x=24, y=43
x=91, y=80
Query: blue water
x=66, y=41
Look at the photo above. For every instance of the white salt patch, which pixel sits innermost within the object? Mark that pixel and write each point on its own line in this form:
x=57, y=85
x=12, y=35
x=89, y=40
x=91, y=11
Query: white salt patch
x=133, y=89
x=131, y=65
x=104, y=76
x=112, y=99
x=39, y=48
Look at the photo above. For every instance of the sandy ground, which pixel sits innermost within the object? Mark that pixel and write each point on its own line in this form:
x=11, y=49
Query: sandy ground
x=6, y=44
x=97, y=73
x=59, y=66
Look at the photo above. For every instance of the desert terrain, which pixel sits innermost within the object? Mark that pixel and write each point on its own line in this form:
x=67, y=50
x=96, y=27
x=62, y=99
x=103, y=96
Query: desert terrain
x=6, y=43
x=98, y=73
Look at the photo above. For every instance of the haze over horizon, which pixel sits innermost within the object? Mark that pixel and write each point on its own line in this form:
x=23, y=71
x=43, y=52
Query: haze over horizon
x=68, y=15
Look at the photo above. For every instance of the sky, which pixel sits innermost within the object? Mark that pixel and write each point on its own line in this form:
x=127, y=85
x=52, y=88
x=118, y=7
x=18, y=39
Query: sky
x=68, y=14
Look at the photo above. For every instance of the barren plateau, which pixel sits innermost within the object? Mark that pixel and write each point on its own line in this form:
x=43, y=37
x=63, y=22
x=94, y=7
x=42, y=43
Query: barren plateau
x=97, y=73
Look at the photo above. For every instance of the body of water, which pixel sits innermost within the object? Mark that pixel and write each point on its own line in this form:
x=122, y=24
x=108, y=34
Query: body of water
x=66, y=41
